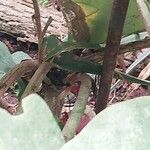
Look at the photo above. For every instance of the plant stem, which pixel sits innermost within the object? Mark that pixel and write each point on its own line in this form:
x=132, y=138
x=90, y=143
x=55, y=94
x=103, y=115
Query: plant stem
x=36, y=80
x=50, y=19
x=72, y=123
x=37, y=18
x=115, y=30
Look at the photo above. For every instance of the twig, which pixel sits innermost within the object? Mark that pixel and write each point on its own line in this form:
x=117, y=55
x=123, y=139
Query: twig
x=16, y=73
x=41, y=53
x=37, y=18
x=130, y=47
x=115, y=30
x=37, y=79
x=41, y=47
x=50, y=19
x=145, y=12
x=72, y=123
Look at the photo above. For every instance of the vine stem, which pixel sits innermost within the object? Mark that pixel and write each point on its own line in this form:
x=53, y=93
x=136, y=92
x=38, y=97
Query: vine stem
x=72, y=123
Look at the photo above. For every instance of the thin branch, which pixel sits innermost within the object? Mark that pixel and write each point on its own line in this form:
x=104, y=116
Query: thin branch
x=144, y=7
x=41, y=54
x=119, y=10
x=37, y=17
x=72, y=123
x=50, y=19
x=130, y=47
x=14, y=74
x=36, y=80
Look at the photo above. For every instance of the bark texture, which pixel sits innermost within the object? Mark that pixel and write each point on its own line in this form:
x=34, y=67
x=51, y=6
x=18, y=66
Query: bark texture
x=118, y=15
x=16, y=20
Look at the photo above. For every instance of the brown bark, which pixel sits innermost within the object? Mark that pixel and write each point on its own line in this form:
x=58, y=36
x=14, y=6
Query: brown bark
x=118, y=15
x=16, y=19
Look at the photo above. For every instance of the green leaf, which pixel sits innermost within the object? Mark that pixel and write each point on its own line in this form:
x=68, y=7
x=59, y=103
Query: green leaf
x=2, y=74
x=54, y=47
x=121, y=126
x=131, y=79
x=21, y=87
x=19, y=56
x=98, y=15
x=71, y=62
x=134, y=37
x=52, y=42
x=43, y=2
x=34, y=129
x=69, y=38
x=6, y=60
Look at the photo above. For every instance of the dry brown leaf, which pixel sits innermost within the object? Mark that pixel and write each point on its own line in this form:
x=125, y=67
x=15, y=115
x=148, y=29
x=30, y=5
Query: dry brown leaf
x=120, y=61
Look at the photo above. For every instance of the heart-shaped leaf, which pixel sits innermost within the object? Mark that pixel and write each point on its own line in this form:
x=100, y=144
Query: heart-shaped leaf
x=6, y=60
x=121, y=126
x=34, y=129
x=55, y=47
x=19, y=56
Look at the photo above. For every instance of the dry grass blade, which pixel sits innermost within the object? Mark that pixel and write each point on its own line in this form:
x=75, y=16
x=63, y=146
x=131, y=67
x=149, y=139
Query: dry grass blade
x=144, y=74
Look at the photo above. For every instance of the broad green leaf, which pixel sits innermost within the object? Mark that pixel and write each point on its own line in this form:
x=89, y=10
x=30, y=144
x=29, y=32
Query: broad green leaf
x=19, y=56
x=6, y=60
x=70, y=62
x=98, y=15
x=34, y=129
x=123, y=126
x=51, y=42
x=54, y=47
